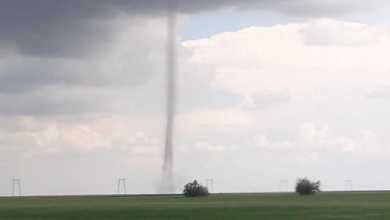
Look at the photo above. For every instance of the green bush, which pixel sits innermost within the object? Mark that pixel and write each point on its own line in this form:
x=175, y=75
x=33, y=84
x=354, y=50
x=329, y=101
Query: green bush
x=307, y=187
x=195, y=189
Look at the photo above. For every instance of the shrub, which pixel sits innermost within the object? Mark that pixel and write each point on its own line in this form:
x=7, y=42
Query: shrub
x=307, y=187
x=195, y=189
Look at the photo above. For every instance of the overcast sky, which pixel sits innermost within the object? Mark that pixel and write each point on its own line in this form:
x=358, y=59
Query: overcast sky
x=267, y=91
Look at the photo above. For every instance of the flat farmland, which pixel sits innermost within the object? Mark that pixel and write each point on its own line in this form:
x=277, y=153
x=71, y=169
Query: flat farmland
x=322, y=206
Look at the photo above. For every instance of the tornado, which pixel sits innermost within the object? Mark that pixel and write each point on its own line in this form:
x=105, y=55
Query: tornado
x=167, y=178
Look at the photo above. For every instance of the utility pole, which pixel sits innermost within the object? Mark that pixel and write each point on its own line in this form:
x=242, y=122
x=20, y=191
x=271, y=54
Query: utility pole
x=17, y=183
x=123, y=181
x=211, y=184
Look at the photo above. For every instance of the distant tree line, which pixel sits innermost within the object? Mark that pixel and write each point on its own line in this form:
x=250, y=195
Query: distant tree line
x=195, y=189
x=307, y=187
x=303, y=187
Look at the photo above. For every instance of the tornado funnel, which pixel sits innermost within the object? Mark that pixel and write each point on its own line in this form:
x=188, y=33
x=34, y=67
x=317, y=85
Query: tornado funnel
x=167, y=179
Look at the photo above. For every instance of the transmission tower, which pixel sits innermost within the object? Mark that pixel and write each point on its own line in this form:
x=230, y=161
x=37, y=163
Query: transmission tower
x=123, y=181
x=211, y=184
x=283, y=185
x=16, y=182
x=348, y=185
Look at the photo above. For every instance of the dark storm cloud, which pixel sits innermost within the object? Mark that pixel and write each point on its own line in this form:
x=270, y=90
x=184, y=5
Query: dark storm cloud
x=60, y=100
x=51, y=27
x=74, y=28
x=21, y=75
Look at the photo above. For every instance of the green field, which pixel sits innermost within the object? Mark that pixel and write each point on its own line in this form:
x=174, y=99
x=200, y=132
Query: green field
x=335, y=206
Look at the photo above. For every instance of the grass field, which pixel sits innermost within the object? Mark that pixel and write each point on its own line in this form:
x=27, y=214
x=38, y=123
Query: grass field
x=335, y=206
